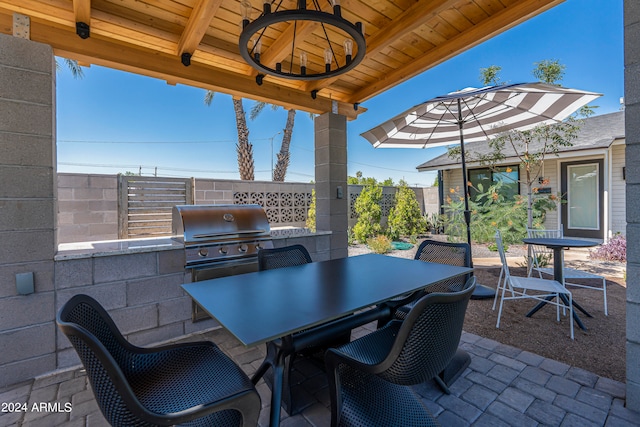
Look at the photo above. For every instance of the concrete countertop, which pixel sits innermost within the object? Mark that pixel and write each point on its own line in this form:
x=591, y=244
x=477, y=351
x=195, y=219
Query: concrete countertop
x=103, y=248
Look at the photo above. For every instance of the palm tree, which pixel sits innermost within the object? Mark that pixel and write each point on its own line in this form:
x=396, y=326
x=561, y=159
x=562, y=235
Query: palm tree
x=244, y=149
x=283, y=156
x=73, y=66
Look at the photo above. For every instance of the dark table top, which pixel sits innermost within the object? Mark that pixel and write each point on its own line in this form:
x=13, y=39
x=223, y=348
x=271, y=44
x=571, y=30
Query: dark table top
x=560, y=242
x=262, y=306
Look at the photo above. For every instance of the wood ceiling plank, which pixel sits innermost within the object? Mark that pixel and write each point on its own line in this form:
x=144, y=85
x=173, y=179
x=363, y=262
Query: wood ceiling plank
x=456, y=19
x=473, y=12
x=497, y=23
x=411, y=19
x=199, y=21
x=82, y=11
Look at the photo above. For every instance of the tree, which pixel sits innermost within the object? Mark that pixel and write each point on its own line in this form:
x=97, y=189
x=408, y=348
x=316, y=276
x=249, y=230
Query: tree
x=490, y=75
x=244, y=149
x=369, y=212
x=73, y=66
x=532, y=146
x=405, y=218
x=283, y=157
x=359, y=179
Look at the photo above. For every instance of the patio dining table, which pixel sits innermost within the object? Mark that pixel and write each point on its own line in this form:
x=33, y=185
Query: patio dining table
x=323, y=299
x=558, y=244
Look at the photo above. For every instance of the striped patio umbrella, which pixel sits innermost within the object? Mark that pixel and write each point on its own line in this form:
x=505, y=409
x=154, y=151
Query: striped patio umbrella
x=475, y=115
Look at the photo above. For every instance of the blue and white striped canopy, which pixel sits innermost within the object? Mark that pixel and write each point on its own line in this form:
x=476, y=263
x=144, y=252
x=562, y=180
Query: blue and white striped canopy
x=480, y=112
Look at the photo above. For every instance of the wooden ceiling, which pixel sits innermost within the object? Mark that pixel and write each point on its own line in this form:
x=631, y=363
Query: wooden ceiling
x=404, y=38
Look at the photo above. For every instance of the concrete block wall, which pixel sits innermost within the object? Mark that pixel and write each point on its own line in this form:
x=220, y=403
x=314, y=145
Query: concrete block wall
x=141, y=291
x=632, y=134
x=27, y=206
x=87, y=207
x=285, y=203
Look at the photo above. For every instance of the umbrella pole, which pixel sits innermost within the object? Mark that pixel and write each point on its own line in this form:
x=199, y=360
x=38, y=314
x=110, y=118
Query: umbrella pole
x=465, y=189
x=481, y=291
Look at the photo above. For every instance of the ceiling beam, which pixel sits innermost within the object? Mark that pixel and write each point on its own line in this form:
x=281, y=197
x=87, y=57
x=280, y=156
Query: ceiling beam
x=490, y=27
x=199, y=20
x=82, y=11
x=149, y=62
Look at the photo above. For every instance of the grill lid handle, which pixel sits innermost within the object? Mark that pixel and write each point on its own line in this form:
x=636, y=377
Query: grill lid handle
x=228, y=233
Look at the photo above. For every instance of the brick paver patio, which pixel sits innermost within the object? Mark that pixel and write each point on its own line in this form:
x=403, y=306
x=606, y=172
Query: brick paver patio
x=503, y=386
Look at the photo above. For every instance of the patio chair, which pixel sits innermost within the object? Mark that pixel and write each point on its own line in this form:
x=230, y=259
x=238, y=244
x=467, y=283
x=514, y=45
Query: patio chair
x=369, y=377
x=543, y=290
x=457, y=254
x=543, y=253
x=287, y=256
x=192, y=382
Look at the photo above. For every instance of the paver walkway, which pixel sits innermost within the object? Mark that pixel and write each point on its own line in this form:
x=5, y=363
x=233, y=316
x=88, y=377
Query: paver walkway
x=503, y=386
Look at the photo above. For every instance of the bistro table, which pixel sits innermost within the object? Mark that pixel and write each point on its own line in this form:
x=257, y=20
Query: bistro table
x=558, y=244
x=319, y=298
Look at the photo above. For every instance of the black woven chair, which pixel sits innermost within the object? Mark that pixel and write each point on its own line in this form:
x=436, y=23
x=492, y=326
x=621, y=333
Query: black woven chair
x=457, y=254
x=192, y=384
x=368, y=377
x=287, y=256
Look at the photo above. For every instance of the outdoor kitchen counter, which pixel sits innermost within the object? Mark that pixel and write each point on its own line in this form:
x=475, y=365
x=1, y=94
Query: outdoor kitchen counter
x=104, y=248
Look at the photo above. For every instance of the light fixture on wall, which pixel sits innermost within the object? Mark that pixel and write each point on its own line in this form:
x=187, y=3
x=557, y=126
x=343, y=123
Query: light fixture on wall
x=301, y=64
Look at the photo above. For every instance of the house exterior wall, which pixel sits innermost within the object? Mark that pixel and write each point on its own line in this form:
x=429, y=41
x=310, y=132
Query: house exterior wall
x=614, y=183
x=617, y=194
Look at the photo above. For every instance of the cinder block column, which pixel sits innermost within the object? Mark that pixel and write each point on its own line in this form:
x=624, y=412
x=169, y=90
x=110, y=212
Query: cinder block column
x=27, y=207
x=332, y=200
x=632, y=130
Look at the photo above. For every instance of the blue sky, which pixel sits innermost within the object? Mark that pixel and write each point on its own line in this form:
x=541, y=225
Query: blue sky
x=112, y=121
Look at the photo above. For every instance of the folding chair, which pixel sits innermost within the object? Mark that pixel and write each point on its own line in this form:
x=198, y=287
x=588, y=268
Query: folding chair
x=518, y=288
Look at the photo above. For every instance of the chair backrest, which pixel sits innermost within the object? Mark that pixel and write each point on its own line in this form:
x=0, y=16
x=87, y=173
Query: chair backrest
x=503, y=258
x=287, y=256
x=457, y=254
x=105, y=355
x=542, y=254
x=428, y=338
x=543, y=234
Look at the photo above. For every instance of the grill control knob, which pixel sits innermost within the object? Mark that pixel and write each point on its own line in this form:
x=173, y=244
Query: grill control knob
x=224, y=250
x=243, y=248
x=203, y=252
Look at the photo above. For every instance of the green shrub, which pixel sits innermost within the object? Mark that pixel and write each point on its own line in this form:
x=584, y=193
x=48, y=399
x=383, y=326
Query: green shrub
x=369, y=212
x=405, y=218
x=311, y=213
x=493, y=211
x=379, y=244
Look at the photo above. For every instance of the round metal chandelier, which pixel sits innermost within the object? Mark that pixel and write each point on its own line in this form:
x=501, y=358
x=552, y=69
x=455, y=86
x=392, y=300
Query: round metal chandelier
x=253, y=34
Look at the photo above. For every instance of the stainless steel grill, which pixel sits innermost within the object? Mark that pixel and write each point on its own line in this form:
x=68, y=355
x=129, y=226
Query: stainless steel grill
x=220, y=240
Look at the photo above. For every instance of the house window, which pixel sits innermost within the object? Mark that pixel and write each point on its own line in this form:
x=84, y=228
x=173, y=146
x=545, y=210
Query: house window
x=482, y=179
